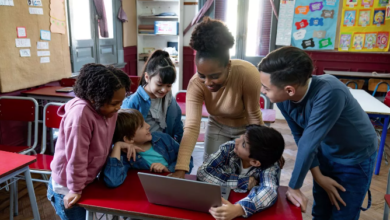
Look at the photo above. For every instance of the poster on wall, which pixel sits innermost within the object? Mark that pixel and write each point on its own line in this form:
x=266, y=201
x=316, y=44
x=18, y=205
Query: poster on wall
x=314, y=24
x=363, y=26
x=286, y=15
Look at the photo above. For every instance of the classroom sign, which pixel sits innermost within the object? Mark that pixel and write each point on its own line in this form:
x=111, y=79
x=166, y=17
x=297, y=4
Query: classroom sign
x=364, y=26
x=314, y=24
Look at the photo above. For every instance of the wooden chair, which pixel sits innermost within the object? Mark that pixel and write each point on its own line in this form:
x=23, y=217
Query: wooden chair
x=378, y=85
x=353, y=83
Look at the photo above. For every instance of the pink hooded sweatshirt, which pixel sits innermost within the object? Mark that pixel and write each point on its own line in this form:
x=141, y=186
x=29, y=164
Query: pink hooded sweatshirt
x=83, y=144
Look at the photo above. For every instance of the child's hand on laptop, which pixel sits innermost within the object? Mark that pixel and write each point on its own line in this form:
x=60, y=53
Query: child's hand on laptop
x=158, y=168
x=227, y=211
x=252, y=182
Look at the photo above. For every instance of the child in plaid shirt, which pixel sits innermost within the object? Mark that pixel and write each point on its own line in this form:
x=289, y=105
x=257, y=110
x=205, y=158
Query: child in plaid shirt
x=248, y=163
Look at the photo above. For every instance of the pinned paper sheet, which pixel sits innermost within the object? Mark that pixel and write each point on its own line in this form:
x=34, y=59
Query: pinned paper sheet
x=23, y=42
x=42, y=45
x=34, y=2
x=299, y=35
x=57, y=16
x=45, y=35
x=36, y=11
x=21, y=32
x=43, y=53
x=45, y=59
x=7, y=2
x=25, y=53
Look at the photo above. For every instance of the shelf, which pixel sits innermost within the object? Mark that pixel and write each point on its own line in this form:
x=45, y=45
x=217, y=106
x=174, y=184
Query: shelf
x=158, y=35
x=158, y=17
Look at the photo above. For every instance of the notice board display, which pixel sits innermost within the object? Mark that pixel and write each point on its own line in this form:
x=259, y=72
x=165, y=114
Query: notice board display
x=30, y=54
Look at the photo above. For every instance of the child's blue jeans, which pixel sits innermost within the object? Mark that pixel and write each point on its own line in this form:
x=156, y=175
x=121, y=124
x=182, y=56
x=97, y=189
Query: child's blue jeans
x=356, y=179
x=57, y=201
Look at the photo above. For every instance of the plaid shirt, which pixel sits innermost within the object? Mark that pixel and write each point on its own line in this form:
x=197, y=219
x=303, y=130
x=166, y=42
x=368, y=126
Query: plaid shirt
x=223, y=168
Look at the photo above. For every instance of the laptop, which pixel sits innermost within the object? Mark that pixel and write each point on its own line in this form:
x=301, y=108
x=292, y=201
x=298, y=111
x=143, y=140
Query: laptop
x=182, y=193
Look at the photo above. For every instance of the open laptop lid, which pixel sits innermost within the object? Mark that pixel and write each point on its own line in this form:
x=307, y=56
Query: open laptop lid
x=180, y=193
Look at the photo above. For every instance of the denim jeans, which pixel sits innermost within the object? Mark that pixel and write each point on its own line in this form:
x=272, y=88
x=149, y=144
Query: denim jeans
x=57, y=201
x=356, y=179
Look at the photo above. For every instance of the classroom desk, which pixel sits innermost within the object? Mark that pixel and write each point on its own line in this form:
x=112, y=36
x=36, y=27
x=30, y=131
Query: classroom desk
x=358, y=74
x=375, y=109
x=130, y=200
x=269, y=115
x=49, y=93
x=13, y=164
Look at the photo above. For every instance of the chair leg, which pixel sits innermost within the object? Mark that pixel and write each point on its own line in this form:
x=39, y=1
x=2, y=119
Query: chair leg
x=11, y=201
x=45, y=177
x=29, y=134
x=16, y=207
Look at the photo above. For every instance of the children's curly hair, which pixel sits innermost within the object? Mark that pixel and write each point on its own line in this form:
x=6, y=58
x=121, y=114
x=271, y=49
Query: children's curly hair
x=212, y=40
x=97, y=83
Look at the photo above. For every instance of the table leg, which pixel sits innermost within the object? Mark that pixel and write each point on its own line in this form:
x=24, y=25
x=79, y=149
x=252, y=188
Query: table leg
x=31, y=193
x=89, y=215
x=11, y=200
x=16, y=207
x=382, y=145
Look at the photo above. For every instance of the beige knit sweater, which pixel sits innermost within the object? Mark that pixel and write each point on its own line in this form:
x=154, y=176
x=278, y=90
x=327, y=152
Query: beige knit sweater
x=236, y=104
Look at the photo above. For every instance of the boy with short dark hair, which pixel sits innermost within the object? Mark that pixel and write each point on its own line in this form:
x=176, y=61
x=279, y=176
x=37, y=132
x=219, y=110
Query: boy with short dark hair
x=248, y=163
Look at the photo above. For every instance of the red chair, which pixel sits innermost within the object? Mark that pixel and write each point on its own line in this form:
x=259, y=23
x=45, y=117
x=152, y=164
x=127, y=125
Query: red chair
x=181, y=101
x=67, y=82
x=25, y=109
x=135, y=80
x=263, y=102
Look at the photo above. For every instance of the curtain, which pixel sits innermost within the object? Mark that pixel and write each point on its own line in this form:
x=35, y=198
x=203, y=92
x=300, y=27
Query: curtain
x=102, y=20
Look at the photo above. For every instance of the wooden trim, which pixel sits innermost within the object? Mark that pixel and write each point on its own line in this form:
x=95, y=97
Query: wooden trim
x=190, y=3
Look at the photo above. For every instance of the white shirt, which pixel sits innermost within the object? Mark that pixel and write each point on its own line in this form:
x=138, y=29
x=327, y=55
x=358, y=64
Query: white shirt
x=308, y=87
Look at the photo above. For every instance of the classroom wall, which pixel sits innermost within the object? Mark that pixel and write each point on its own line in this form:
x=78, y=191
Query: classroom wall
x=130, y=27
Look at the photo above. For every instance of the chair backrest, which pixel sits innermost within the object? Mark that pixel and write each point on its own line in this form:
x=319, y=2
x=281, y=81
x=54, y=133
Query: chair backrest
x=134, y=83
x=181, y=96
x=16, y=108
x=353, y=83
x=263, y=102
x=50, y=120
x=378, y=85
x=67, y=82
x=387, y=99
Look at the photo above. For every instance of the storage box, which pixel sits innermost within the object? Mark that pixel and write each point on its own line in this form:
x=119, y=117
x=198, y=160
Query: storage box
x=166, y=27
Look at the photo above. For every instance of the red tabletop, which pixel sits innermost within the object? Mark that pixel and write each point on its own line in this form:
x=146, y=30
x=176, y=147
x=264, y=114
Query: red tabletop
x=130, y=198
x=11, y=162
x=49, y=91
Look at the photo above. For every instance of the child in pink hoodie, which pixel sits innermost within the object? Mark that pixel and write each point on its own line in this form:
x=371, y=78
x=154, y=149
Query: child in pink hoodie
x=85, y=136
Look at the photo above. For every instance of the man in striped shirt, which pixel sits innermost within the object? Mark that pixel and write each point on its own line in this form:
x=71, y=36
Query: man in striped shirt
x=248, y=163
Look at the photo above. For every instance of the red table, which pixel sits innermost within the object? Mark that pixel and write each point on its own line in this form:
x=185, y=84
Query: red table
x=13, y=164
x=130, y=200
x=49, y=93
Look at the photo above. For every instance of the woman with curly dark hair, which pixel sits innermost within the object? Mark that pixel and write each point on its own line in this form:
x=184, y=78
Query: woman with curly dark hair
x=229, y=88
x=85, y=135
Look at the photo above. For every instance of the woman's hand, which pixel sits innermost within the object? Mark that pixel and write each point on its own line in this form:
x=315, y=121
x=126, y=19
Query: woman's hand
x=130, y=149
x=227, y=211
x=158, y=168
x=70, y=199
x=331, y=187
x=178, y=174
x=252, y=182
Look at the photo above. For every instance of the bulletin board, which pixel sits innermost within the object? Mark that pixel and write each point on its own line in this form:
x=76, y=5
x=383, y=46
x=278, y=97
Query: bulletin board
x=363, y=26
x=315, y=24
x=17, y=72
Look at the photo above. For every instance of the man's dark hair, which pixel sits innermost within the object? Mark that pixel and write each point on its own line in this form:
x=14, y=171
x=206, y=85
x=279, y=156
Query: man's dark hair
x=127, y=123
x=287, y=66
x=159, y=63
x=97, y=83
x=265, y=144
x=212, y=40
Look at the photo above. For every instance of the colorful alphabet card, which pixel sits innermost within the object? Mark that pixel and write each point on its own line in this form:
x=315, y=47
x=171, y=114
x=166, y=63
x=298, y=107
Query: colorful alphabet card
x=315, y=23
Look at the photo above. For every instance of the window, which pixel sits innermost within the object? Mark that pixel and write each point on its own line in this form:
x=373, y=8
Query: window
x=86, y=43
x=250, y=22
